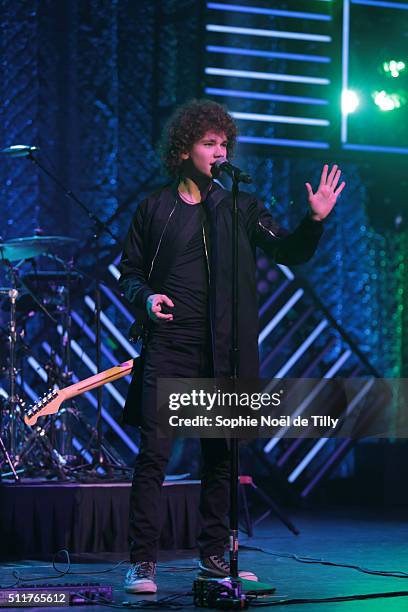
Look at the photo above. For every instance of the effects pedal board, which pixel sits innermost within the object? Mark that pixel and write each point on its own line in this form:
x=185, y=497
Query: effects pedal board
x=219, y=593
x=54, y=595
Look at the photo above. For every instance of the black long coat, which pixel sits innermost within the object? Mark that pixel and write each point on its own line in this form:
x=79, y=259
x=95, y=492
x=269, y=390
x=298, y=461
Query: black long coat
x=155, y=238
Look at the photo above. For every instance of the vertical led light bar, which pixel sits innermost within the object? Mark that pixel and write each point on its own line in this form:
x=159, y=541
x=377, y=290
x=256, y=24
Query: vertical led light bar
x=345, y=60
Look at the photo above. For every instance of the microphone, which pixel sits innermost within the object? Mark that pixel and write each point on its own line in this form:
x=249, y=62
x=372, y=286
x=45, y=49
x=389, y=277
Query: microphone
x=18, y=151
x=223, y=165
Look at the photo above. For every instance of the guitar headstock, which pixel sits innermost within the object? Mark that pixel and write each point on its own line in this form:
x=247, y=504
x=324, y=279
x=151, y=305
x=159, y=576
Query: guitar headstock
x=48, y=404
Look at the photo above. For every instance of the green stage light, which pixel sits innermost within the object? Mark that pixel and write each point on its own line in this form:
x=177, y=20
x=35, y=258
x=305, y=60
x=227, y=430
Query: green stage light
x=394, y=68
x=349, y=101
x=386, y=101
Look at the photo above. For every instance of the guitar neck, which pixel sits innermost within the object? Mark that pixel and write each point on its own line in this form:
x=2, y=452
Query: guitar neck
x=99, y=379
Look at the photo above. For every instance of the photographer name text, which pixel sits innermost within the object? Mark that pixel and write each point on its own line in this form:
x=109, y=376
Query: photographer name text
x=200, y=421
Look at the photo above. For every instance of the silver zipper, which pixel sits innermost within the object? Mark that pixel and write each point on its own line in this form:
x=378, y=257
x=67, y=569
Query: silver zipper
x=206, y=256
x=160, y=241
x=267, y=230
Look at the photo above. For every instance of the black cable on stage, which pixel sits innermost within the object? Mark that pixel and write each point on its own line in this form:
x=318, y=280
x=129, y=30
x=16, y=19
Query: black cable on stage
x=9, y=586
x=299, y=559
x=21, y=579
x=312, y=561
x=287, y=602
x=89, y=572
x=168, y=603
x=65, y=572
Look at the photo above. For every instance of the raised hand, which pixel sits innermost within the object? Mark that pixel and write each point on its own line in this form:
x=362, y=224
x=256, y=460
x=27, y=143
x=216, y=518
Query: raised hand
x=322, y=202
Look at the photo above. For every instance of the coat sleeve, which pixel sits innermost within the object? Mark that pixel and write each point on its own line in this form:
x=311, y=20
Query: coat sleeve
x=284, y=247
x=133, y=263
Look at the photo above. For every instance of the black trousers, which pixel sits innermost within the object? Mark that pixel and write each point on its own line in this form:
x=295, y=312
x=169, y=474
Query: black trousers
x=171, y=358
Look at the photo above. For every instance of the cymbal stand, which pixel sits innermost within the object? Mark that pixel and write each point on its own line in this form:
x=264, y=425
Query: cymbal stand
x=13, y=399
x=3, y=448
x=40, y=438
x=15, y=404
x=99, y=228
x=66, y=372
x=97, y=446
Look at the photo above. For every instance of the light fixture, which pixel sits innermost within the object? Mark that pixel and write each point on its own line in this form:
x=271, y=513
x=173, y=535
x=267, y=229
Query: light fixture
x=394, y=68
x=349, y=101
x=386, y=101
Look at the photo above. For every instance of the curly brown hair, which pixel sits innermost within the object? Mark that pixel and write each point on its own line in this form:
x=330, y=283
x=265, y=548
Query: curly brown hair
x=188, y=124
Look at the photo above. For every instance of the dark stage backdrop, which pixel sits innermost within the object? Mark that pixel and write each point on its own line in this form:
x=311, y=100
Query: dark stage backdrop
x=91, y=82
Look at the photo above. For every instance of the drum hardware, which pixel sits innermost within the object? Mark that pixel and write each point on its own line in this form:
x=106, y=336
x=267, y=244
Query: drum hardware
x=3, y=448
x=99, y=228
x=17, y=282
x=30, y=247
x=50, y=447
x=12, y=423
x=109, y=459
x=49, y=456
x=13, y=410
x=113, y=461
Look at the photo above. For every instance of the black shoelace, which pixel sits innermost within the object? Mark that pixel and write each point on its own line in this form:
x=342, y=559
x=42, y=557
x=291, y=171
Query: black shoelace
x=220, y=562
x=145, y=569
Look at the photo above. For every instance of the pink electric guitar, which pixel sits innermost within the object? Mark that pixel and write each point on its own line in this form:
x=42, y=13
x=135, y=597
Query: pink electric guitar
x=51, y=402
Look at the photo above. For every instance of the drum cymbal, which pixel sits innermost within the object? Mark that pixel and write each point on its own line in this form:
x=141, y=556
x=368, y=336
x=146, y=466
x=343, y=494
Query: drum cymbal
x=32, y=246
x=60, y=277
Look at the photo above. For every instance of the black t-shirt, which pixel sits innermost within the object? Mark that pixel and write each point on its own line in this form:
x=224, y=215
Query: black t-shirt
x=187, y=283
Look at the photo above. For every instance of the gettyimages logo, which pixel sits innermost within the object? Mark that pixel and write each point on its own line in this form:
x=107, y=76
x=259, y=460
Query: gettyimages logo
x=222, y=399
x=291, y=408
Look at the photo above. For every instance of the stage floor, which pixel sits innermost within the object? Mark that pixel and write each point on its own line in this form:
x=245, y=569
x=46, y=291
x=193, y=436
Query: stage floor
x=374, y=540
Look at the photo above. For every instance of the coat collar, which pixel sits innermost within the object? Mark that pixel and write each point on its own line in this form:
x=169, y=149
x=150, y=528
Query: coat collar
x=214, y=196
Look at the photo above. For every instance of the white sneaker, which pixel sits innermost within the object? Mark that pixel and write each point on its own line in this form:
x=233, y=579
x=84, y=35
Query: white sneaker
x=140, y=578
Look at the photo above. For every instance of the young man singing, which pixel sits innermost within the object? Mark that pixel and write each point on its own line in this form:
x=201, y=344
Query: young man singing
x=175, y=269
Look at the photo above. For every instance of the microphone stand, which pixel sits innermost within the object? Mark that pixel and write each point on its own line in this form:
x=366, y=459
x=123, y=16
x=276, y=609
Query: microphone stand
x=237, y=177
x=99, y=228
x=234, y=360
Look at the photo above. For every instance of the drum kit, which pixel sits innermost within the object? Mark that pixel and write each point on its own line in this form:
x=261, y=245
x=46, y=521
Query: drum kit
x=50, y=449
x=47, y=449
